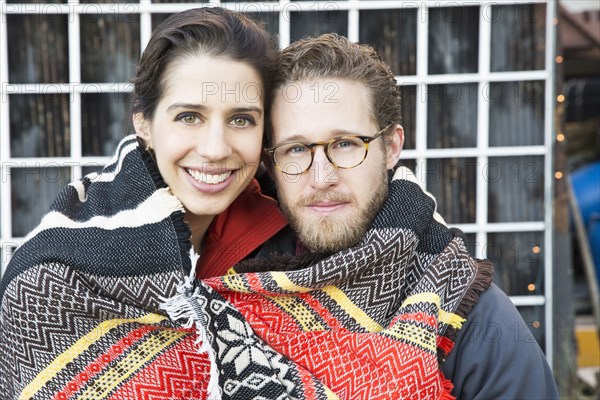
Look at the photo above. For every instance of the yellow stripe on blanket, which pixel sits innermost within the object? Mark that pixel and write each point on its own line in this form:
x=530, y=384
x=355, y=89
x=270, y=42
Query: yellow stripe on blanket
x=414, y=335
x=296, y=308
x=352, y=309
x=451, y=319
x=285, y=283
x=425, y=297
x=135, y=360
x=235, y=282
x=79, y=347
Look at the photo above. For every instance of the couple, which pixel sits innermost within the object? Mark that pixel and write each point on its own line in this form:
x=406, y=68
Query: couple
x=168, y=275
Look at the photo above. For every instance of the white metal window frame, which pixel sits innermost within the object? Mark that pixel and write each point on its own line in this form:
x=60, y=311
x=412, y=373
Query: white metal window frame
x=421, y=79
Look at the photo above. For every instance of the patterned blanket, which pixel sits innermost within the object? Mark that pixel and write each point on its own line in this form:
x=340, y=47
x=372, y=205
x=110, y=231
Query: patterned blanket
x=100, y=302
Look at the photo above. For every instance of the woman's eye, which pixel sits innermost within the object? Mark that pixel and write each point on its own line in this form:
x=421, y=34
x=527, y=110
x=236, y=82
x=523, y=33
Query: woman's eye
x=242, y=122
x=188, y=118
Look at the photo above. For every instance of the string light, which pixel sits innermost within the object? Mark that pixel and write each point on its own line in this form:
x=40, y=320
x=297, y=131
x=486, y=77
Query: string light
x=531, y=287
x=559, y=59
x=560, y=137
x=536, y=249
x=536, y=324
x=560, y=98
x=558, y=175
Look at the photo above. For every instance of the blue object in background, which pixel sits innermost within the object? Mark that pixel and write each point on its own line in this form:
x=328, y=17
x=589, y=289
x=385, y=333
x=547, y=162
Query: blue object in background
x=586, y=186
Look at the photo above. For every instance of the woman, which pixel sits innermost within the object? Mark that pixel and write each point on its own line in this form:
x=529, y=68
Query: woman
x=80, y=313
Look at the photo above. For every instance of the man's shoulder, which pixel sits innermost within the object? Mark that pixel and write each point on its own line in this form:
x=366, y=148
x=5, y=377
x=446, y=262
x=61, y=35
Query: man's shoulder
x=493, y=304
x=494, y=319
x=496, y=355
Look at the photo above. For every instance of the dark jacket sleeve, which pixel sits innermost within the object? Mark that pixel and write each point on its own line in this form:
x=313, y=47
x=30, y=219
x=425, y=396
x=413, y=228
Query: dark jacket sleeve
x=496, y=356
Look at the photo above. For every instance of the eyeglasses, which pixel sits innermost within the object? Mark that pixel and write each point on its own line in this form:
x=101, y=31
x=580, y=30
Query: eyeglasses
x=343, y=152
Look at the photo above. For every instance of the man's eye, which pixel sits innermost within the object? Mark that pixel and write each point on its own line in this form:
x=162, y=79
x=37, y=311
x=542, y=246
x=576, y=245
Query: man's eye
x=297, y=149
x=344, y=144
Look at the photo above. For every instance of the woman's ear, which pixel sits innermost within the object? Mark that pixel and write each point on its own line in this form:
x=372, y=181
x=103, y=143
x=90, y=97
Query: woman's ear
x=394, y=146
x=142, y=128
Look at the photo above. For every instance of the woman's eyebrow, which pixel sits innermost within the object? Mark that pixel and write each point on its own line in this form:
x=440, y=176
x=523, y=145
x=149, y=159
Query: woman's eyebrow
x=248, y=109
x=186, y=105
x=201, y=107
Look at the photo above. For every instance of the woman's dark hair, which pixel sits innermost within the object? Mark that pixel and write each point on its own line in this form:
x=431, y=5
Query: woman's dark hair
x=212, y=31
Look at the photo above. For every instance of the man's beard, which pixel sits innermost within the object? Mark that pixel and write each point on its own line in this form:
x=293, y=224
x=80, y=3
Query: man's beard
x=331, y=233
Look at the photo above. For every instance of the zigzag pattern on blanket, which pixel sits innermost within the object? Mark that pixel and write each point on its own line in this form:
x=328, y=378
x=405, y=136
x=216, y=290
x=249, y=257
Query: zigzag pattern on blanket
x=84, y=300
x=90, y=274
x=372, y=320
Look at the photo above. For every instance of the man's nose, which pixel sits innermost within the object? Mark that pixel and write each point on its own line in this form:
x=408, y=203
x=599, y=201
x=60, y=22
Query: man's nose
x=324, y=174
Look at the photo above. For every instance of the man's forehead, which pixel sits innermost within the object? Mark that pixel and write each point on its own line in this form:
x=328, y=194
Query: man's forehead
x=317, y=110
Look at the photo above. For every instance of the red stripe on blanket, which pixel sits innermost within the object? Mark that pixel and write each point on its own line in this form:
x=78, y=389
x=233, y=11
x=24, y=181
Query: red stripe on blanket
x=101, y=362
x=323, y=312
x=363, y=365
x=422, y=317
x=178, y=373
x=254, y=282
x=262, y=314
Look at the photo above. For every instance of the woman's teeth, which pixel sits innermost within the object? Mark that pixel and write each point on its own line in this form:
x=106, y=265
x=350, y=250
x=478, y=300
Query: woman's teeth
x=211, y=179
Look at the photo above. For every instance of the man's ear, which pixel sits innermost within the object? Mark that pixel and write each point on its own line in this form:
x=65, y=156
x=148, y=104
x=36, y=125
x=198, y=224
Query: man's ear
x=394, y=146
x=142, y=128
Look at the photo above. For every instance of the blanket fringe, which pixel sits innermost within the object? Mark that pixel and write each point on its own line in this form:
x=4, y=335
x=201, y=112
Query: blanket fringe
x=180, y=307
x=445, y=344
x=447, y=387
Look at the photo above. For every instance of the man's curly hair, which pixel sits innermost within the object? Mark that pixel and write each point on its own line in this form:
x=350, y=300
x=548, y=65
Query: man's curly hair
x=333, y=56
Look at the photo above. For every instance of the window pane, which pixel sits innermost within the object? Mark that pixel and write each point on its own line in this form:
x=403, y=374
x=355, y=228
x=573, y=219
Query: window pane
x=270, y=20
x=518, y=259
x=38, y=51
x=104, y=121
x=452, y=181
x=408, y=163
x=452, y=115
x=408, y=114
x=7, y=250
x=315, y=23
x=471, y=243
x=516, y=113
x=393, y=33
x=261, y=13
x=39, y=125
x=519, y=37
x=157, y=19
x=516, y=188
x=88, y=169
x=453, y=40
x=36, y=2
x=110, y=46
x=33, y=190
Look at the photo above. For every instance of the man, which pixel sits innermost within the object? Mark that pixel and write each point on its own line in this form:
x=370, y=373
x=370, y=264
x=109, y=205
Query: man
x=335, y=134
